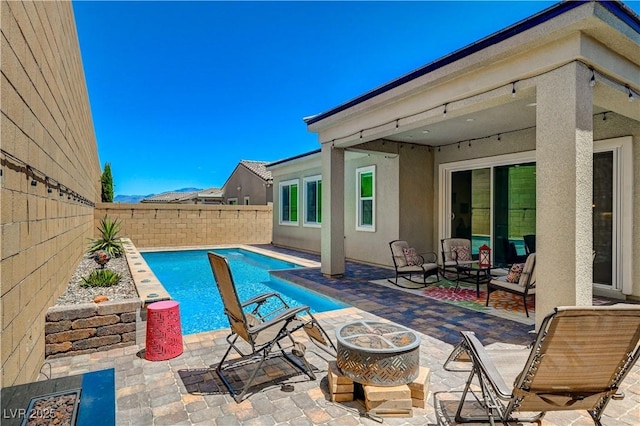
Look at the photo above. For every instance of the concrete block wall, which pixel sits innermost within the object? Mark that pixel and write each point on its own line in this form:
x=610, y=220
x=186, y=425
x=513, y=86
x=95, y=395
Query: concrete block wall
x=47, y=138
x=173, y=225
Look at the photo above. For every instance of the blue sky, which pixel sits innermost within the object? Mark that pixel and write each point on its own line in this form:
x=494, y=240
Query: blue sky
x=180, y=92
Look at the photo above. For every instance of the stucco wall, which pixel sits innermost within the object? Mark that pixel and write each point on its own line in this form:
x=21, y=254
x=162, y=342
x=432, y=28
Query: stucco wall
x=250, y=186
x=300, y=237
x=370, y=247
x=373, y=247
x=416, y=200
x=45, y=124
x=173, y=225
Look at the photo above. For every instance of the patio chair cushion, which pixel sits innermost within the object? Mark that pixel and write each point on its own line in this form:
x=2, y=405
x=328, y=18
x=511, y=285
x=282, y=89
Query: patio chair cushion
x=411, y=256
x=461, y=253
x=514, y=273
x=502, y=284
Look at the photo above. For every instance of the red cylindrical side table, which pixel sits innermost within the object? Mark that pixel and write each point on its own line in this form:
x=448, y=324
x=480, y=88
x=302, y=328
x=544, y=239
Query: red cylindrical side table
x=164, y=333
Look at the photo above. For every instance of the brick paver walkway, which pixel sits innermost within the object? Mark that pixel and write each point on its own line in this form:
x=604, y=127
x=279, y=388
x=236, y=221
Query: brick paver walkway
x=185, y=391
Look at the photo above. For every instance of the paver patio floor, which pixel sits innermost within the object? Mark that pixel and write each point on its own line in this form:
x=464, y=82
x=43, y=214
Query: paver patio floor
x=161, y=392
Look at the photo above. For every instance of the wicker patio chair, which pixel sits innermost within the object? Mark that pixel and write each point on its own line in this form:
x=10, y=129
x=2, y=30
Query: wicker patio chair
x=263, y=328
x=424, y=265
x=579, y=359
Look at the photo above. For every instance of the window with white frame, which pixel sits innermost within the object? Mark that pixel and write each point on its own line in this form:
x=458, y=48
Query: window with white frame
x=312, y=200
x=289, y=202
x=232, y=201
x=366, y=198
x=247, y=200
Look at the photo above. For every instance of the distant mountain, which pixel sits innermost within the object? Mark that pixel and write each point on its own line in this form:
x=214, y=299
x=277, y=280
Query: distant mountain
x=136, y=198
x=185, y=190
x=129, y=198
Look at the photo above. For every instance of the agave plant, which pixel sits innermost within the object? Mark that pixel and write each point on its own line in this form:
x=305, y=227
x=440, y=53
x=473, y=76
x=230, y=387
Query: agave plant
x=109, y=240
x=101, y=278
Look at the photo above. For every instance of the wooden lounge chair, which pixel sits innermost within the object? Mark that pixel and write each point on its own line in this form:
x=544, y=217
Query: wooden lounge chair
x=426, y=266
x=526, y=285
x=263, y=328
x=579, y=359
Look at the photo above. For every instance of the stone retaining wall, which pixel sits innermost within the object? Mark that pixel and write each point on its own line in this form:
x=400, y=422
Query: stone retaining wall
x=90, y=327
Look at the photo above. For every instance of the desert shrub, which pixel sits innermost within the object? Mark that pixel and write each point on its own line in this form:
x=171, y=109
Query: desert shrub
x=109, y=240
x=101, y=278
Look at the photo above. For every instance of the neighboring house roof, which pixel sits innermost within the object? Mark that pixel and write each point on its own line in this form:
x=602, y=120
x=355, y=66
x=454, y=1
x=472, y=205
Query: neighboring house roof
x=211, y=193
x=618, y=8
x=259, y=168
x=170, y=197
x=295, y=157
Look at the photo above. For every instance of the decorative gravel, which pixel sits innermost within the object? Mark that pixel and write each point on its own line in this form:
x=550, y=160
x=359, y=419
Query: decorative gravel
x=125, y=289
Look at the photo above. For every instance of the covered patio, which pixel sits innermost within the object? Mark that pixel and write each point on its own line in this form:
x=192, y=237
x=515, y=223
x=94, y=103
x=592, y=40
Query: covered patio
x=551, y=90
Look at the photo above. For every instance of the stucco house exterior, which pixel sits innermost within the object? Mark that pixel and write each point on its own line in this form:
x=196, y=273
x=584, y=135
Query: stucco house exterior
x=534, y=129
x=250, y=183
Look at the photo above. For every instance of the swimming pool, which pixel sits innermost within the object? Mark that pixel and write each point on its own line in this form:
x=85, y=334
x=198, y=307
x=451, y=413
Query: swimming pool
x=187, y=276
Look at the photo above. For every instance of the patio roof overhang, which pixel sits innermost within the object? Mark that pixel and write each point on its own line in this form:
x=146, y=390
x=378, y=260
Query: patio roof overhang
x=489, y=88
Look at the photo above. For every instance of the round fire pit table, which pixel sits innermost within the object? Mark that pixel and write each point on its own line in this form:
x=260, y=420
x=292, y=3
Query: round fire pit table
x=377, y=353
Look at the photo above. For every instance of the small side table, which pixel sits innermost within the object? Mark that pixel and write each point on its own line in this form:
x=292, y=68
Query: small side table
x=164, y=333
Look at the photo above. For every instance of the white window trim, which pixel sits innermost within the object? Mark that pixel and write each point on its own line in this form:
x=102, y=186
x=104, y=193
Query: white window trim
x=231, y=200
x=282, y=184
x=372, y=227
x=316, y=178
x=623, y=199
x=247, y=200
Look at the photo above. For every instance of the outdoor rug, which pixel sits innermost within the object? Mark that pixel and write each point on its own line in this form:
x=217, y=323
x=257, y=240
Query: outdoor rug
x=501, y=304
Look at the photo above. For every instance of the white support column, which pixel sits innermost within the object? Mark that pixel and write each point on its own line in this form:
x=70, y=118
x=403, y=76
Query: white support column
x=564, y=180
x=332, y=235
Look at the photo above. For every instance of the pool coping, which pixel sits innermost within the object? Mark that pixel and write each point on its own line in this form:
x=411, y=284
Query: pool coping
x=306, y=263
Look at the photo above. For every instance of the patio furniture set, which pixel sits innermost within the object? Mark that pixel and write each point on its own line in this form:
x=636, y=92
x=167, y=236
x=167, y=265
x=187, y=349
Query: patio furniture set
x=457, y=260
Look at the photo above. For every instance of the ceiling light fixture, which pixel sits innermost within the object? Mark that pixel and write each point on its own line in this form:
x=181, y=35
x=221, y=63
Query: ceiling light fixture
x=630, y=94
x=592, y=82
x=513, y=89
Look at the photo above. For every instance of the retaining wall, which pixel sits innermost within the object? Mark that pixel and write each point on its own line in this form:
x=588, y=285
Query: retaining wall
x=90, y=327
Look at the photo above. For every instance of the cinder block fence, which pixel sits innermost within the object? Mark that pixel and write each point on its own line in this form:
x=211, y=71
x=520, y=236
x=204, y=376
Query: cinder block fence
x=173, y=225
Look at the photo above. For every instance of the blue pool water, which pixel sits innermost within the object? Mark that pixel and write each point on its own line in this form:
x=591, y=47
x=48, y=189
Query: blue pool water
x=187, y=276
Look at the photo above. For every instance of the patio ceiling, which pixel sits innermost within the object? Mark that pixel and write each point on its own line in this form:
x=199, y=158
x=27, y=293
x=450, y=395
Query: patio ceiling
x=516, y=115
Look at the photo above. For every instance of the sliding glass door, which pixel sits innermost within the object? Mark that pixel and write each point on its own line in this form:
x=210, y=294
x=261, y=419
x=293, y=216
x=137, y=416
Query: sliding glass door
x=493, y=201
x=498, y=198
x=604, y=214
x=471, y=206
